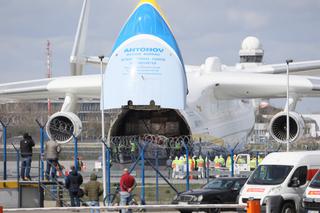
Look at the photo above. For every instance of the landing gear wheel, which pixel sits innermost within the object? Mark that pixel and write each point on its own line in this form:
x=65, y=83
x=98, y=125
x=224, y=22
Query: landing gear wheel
x=288, y=208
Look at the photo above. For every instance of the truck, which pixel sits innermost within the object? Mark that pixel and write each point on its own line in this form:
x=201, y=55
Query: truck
x=311, y=197
x=284, y=175
x=242, y=165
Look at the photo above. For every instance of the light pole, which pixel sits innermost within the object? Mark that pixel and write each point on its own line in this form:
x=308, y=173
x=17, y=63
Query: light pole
x=102, y=130
x=288, y=61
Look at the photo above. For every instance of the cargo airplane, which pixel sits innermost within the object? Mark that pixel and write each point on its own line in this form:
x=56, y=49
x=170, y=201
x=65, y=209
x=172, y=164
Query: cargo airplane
x=145, y=77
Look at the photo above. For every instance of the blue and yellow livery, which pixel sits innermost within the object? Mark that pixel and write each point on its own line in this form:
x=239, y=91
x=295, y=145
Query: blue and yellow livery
x=147, y=60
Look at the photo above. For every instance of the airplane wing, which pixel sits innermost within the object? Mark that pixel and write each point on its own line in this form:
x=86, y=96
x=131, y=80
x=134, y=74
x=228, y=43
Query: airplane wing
x=230, y=85
x=85, y=86
x=226, y=85
x=311, y=68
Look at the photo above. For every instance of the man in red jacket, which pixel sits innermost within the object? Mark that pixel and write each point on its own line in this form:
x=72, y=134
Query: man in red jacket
x=127, y=184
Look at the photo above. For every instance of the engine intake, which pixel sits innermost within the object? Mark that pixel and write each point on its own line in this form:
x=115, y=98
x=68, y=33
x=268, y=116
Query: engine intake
x=278, y=127
x=62, y=125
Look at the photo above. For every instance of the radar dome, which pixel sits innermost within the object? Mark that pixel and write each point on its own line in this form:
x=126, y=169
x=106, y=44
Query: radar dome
x=251, y=50
x=251, y=43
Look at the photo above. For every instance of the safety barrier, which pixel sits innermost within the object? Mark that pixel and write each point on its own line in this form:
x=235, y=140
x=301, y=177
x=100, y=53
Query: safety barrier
x=138, y=207
x=253, y=206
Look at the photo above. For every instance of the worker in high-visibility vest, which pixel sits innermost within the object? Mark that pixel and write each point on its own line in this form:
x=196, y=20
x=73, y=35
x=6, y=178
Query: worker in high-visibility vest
x=260, y=158
x=228, y=162
x=191, y=167
x=222, y=161
x=133, y=150
x=216, y=162
x=200, y=165
x=181, y=167
x=177, y=148
x=217, y=165
x=193, y=163
x=174, y=167
x=253, y=163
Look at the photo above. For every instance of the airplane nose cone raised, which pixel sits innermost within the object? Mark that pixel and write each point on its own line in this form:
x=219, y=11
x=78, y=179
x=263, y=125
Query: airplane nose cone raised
x=145, y=65
x=147, y=18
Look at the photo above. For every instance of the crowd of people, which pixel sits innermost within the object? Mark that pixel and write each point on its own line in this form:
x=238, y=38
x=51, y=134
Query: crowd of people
x=177, y=169
x=198, y=165
x=73, y=179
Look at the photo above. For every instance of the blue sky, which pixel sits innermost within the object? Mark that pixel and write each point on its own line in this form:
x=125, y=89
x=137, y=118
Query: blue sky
x=286, y=28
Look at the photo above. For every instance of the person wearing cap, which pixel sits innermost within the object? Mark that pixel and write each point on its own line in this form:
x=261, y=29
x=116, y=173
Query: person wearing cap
x=127, y=184
x=26, y=145
x=93, y=189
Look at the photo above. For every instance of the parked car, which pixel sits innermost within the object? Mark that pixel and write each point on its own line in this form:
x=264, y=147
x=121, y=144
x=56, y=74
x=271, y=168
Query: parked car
x=219, y=190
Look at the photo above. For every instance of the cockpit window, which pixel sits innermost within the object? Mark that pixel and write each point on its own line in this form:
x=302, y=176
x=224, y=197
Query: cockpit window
x=269, y=174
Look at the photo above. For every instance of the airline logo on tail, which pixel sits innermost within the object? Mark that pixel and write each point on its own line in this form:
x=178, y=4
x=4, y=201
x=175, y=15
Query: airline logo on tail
x=146, y=64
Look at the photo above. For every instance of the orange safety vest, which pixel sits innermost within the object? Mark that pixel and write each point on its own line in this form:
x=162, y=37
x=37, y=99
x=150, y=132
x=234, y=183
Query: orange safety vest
x=191, y=165
x=217, y=165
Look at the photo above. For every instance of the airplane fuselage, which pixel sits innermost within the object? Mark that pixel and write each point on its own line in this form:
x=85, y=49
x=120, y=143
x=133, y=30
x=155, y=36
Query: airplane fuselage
x=214, y=119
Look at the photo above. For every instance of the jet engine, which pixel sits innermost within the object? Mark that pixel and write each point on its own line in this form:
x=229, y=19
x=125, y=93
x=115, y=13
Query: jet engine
x=278, y=127
x=61, y=126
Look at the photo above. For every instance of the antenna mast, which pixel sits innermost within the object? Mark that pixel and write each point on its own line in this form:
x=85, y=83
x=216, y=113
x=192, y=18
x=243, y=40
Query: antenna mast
x=49, y=73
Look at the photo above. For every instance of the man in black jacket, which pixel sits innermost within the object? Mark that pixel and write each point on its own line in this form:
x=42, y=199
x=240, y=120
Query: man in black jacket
x=26, y=145
x=73, y=182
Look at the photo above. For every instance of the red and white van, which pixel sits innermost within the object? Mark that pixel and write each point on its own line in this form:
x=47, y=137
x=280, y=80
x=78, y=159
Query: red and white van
x=284, y=174
x=311, y=197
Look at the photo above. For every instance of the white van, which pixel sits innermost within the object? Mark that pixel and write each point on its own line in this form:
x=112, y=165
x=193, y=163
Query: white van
x=311, y=197
x=284, y=174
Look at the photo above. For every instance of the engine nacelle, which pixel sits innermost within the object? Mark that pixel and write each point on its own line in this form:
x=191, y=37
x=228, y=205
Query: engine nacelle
x=278, y=127
x=62, y=125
